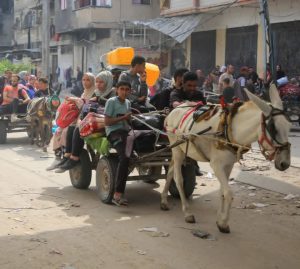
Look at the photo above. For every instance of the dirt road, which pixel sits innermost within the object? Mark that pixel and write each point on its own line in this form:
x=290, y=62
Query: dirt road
x=46, y=223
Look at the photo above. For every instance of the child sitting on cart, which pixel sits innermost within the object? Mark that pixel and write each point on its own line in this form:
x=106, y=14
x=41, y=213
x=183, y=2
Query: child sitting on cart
x=117, y=113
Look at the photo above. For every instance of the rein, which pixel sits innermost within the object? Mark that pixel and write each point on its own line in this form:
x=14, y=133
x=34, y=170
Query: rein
x=267, y=146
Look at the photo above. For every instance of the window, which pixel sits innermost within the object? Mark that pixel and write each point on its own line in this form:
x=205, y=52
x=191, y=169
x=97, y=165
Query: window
x=92, y=3
x=63, y=4
x=141, y=2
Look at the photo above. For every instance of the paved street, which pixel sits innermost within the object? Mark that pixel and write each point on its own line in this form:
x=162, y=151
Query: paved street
x=46, y=223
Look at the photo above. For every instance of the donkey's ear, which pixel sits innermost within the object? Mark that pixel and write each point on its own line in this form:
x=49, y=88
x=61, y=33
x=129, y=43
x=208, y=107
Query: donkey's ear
x=264, y=107
x=274, y=97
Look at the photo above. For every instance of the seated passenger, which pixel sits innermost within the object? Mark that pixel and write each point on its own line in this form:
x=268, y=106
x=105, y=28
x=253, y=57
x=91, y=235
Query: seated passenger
x=117, y=113
x=15, y=99
x=161, y=99
x=30, y=86
x=43, y=89
x=74, y=143
x=188, y=92
x=136, y=77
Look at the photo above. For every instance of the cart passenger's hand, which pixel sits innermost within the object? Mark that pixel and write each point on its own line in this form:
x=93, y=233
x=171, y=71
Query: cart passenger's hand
x=127, y=116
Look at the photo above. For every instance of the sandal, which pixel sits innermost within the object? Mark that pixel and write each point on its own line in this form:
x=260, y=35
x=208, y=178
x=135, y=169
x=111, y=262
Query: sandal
x=119, y=201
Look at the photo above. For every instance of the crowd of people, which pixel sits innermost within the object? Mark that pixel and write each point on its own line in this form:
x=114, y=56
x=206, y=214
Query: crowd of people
x=16, y=91
x=119, y=94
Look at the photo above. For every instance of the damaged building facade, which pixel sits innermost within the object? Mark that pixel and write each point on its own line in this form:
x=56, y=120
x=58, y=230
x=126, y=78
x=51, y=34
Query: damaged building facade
x=86, y=30
x=231, y=32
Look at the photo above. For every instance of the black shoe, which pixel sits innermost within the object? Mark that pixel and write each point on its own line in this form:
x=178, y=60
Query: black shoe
x=69, y=164
x=198, y=172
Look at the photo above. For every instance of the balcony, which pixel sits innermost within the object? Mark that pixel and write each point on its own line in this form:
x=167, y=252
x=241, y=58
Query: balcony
x=179, y=8
x=78, y=4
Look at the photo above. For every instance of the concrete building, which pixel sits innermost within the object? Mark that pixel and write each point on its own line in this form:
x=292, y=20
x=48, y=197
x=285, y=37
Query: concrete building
x=27, y=37
x=87, y=29
x=231, y=32
x=6, y=25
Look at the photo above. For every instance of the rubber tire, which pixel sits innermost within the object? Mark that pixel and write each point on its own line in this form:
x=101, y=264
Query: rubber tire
x=81, y=175
x=105, y=178
x=189, y=181
x=3, y=132
x=154, y=170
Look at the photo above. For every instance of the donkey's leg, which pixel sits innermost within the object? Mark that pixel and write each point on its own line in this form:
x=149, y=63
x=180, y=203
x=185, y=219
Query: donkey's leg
x=164, y=195
x=178, y=157
x=222, y=165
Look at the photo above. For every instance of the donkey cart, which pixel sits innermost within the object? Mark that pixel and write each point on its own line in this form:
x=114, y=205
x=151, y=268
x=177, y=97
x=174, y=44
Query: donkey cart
x=149, y=162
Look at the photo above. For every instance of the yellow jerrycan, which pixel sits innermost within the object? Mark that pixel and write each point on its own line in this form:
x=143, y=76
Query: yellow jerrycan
x=153, y=72
x=120, y=56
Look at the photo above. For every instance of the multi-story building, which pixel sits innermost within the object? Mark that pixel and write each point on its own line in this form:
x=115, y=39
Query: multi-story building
x=87, y=29
x=6, y=25
x=28, y=36
x=231, y=32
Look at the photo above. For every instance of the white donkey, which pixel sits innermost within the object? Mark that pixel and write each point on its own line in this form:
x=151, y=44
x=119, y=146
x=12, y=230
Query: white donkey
x=254, y=121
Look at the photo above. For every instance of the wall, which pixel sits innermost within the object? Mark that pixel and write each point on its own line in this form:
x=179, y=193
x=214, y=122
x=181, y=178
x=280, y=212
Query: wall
x=121, y=11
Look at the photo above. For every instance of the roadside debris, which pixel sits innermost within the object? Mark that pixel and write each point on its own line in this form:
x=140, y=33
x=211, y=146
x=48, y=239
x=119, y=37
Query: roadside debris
x=251, y=194
x=203, y=235
x=252, y=188
x=290, y=197
x=55, y=251
x=39, y=240
x=153, y=231
x=141, y=252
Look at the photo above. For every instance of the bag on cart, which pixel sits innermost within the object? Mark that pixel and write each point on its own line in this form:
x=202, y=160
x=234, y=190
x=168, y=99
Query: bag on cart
x=67, y=113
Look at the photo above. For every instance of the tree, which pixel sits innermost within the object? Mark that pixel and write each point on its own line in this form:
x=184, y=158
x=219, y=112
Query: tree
x=15, y=68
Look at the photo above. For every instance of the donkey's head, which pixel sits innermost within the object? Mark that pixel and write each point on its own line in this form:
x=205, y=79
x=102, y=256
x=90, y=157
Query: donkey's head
x=275, y=127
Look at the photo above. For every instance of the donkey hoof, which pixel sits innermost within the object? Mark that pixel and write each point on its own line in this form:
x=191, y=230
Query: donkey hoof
x=225, y=230
x=190, y=219
x=164, y=207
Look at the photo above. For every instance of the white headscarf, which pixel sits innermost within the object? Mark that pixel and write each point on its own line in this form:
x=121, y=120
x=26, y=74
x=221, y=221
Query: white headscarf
x=107, y=77
x=88, y=93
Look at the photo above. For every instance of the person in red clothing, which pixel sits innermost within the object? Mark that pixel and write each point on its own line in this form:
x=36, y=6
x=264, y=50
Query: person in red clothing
x=15, y=99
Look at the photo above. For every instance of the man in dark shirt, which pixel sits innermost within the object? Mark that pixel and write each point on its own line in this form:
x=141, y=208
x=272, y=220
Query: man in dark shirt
x=161, y=99
x=43, y=90
x=189, y=91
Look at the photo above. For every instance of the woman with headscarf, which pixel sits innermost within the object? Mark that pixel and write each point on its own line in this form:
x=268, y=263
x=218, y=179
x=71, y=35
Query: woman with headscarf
x=74, y=143
x=23, y=77
x=104, y=87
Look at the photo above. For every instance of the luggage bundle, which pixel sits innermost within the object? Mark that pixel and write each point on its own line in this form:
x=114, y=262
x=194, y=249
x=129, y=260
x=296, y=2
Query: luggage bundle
x=91, y=124
x=68, y=112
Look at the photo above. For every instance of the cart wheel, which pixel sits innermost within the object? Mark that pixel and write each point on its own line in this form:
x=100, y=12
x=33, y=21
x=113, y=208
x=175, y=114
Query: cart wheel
x=149, y=171
x=189, y=181
x=81, y=175
x=3, y=132
x=105, y=178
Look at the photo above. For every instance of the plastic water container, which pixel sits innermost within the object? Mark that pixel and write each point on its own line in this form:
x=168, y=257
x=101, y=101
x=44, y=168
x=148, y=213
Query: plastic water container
x=120, y=56
x=54, y=128
x=153, y=72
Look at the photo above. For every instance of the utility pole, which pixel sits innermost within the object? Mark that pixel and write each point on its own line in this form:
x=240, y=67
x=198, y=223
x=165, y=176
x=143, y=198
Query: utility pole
x=45, y=38
x=267, y=35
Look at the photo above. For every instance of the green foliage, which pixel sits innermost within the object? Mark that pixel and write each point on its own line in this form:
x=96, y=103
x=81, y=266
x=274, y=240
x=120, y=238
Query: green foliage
x=15, y=68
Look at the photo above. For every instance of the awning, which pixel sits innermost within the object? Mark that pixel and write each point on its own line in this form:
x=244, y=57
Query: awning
x=179, y=28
